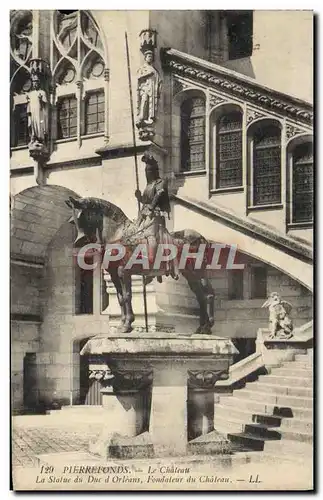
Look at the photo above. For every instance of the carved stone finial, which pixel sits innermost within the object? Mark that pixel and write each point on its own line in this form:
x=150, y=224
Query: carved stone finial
x=148, y=87
x=148, y=40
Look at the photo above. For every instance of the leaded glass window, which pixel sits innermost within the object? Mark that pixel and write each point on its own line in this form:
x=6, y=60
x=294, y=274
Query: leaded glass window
x=94, y=113
x=229, y=151
x=303, y=183
x=193, y=134
x=267, y=166
x=78, y=63
x=67, y=117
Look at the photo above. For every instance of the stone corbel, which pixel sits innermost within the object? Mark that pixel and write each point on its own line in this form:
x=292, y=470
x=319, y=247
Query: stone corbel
x=132, y=380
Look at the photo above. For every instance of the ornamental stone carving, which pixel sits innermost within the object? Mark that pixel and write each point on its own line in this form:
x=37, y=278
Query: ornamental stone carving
x=205, y=379
x=215, y=100
x=252, y=115
x=125, y=380
x=148, y=87
x=122, y=380
x=248, y=91
x=280, y=323
x=179, y=85
x=292, y=130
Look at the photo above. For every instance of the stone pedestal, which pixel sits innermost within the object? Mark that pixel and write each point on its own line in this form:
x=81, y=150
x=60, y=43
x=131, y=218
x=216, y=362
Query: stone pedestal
x=148, y=393
x=277, y=351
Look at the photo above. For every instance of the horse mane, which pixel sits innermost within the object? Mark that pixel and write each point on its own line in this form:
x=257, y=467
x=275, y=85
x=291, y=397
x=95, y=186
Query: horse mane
x=109, y=209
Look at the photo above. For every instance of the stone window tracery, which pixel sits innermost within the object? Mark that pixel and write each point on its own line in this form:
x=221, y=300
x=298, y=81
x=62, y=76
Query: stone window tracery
x=78, y=62
x=21, y=32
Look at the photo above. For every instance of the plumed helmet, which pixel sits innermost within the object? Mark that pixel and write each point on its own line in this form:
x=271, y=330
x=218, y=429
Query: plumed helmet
x=150, y=160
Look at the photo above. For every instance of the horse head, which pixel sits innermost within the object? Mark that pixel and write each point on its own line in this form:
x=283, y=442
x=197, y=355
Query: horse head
x=87, y=215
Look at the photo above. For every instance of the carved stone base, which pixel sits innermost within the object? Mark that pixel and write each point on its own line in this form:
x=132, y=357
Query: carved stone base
x=152, y=373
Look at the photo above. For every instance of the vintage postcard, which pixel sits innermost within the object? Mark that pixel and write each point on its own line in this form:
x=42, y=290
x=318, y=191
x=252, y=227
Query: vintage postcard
x=161, y=174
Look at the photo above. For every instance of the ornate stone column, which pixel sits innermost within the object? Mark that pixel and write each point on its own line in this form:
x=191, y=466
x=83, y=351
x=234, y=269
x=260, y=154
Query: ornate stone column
x=126, y=397
x=201, y=400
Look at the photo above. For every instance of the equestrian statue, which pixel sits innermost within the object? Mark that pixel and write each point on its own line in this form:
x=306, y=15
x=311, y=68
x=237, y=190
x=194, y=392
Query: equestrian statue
x=100, y=221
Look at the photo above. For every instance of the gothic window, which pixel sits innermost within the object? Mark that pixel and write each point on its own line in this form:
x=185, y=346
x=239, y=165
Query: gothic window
x=67, y=120
x=94, y=112
x=78, y=62
x=239, y=32
x=21, y=29
x=229, y=151
x=302, y=183
x=193, y=134
x=267, y=165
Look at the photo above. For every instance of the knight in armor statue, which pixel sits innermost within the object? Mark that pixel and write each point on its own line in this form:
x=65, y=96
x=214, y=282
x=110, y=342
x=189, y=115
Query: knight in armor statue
x=155, y=208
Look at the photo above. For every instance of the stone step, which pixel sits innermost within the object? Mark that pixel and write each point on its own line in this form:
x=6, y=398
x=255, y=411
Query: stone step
x=247, y=417
x=289, y=372
x=265, y=408
x=304, y=357
x=247, y=440
x=272, y=457
x=303, y=365
x=265, y=386
x=267, y=431
x=290, y=447
x=285, y=380
x=278, y=400
x=294, y=435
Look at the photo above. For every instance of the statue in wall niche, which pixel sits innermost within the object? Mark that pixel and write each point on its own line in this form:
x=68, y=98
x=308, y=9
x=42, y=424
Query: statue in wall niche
x=148, y=88
x=280, y=323
x=38, y=112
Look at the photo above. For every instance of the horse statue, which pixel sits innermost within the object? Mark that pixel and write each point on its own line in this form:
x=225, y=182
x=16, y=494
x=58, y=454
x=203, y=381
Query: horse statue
x=102, y=222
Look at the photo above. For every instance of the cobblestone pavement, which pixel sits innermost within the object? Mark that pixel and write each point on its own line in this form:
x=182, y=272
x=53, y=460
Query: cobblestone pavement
x=49, y=436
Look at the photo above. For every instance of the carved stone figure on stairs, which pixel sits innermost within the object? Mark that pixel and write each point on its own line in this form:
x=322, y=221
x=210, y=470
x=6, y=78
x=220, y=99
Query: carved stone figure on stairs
x=280, y=323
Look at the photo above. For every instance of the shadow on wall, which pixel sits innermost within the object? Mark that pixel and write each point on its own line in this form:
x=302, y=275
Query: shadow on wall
x=243, y=66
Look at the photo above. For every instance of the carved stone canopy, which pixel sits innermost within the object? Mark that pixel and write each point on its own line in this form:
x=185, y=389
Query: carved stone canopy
x=148, y=40
x=39, y=71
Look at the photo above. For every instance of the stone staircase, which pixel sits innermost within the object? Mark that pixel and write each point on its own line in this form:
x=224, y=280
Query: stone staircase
x=272, y=415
